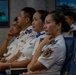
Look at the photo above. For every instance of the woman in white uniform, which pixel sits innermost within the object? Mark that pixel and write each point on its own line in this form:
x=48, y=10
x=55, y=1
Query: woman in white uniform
x=70, y=17
x=51, y=57
x=23, y=58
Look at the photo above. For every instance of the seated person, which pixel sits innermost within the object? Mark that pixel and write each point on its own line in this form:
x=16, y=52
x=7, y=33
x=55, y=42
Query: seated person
x=13, y=32
x=22, y=58
x=70, y=17
x=50, y=57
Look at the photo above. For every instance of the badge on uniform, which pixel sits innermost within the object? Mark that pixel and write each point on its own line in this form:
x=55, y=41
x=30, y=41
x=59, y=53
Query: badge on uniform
x=47, y=53
x=20, y=43
x=23, y=41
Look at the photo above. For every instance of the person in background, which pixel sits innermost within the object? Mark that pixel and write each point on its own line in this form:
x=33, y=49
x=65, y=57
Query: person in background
x=24, y=21
x=50, y=57
x=70, y=17
x=6, y=48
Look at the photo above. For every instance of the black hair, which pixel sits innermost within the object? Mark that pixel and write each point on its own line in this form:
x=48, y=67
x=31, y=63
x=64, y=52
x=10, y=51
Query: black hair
x=16, y=19
x=43, y=14
x=29, y=11
x=59, y=18
x=70, y=14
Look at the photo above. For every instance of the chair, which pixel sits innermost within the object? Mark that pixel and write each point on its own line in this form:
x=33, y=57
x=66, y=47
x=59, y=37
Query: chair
x=69, y=67
x=72, y=69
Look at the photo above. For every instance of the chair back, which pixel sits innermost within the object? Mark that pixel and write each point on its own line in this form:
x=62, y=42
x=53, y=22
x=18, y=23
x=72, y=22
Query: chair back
x=69, y=66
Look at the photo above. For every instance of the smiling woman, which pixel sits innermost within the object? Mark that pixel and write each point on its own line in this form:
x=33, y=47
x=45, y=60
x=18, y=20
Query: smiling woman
x=4, y=11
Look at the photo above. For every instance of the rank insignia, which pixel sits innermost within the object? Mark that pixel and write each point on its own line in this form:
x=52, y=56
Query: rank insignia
x=22, y=41
x=30, y=31
x=47, y=53
x=41, y=39
x=53, y=42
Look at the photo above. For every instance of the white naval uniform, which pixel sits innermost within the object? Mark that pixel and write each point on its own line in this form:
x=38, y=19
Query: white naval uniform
x=24, y=37
x=26, y=33
x=53, y=55
x=12, y=46
x=29, y=47
x=70, y=32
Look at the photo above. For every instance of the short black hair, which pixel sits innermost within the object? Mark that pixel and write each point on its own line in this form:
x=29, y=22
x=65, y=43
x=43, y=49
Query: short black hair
x=29, y=11
x=70, y=14
x=43, y=14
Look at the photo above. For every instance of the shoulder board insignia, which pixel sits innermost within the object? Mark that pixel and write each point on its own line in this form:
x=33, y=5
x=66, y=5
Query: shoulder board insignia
x=53, y=42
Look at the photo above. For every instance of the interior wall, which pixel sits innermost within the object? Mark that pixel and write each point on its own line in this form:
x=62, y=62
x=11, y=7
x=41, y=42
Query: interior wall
x=16, y=5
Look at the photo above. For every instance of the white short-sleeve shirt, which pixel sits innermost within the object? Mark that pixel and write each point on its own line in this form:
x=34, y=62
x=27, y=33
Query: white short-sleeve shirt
x=25, y=36
x=30, y=46
x=53, y=55
x=12, y=46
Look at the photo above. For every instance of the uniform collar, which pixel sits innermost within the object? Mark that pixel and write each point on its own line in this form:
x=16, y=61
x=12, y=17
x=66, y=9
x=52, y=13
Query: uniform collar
x=56, y=39
x=16, y=38
x=30, y=27
x=59, y=37
x=26, y=31
x=39, y=34
x=22, y=32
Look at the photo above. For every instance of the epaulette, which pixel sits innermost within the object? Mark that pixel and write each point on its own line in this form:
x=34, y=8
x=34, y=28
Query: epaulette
x=39, y=34
x=53, y=42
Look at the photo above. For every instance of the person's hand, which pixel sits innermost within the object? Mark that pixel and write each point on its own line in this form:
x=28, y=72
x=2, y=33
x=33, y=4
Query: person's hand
x=2, y=68
x=28, y=68
x=3, y=59
x=47, y=39
x=9, y=36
